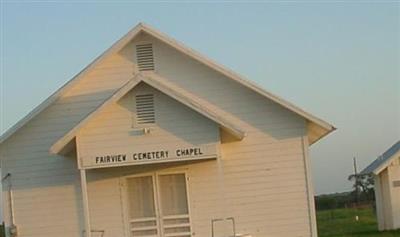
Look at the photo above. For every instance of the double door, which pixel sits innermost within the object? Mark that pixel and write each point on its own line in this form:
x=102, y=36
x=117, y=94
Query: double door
x=157, y=205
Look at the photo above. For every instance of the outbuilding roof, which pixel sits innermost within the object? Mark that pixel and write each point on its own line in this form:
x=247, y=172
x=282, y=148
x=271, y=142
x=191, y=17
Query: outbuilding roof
x=383, y=160
x=317, y=127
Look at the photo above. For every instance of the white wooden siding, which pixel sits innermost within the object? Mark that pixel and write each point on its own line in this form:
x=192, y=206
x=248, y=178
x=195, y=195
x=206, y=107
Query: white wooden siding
x=388, y=196
x=267, y=165
x=113, y=131
x=387, y=199
x=46, y=188
x=395, y=176
x=264, y=175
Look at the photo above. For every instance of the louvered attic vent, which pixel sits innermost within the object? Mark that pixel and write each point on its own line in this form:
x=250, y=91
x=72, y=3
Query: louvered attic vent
x=145, y=57
x=145, y=113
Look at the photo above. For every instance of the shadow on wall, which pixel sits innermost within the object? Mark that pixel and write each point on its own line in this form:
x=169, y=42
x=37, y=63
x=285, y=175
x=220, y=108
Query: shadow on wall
x=250, y=108
x=49, y=171
x=26, y=156
x=173, y=118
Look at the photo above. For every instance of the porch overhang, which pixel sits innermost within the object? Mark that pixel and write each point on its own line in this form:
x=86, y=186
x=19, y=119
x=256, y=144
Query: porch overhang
x=67, y=142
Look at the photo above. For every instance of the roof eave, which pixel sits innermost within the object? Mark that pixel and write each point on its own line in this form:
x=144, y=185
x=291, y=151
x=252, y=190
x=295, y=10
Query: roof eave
x=315, y=132
x=176, y=93
x=59, y=145
x=180, y=47
x=196, y=104
x=384, y=160
x=69, y=84
x=385, y=164
x=231, y=74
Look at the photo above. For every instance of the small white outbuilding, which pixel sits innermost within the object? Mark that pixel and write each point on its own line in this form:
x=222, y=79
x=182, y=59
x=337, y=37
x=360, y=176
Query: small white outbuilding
x=386, y=172
x=153, y=139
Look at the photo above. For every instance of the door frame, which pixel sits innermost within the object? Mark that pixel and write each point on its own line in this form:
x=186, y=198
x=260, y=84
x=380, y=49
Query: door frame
x=154, y=175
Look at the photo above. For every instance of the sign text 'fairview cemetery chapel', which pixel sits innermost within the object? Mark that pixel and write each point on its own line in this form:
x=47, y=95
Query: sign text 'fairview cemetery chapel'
x=146, y=157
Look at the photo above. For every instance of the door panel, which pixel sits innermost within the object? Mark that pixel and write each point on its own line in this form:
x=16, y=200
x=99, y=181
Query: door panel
x=158, y=206
x=172, y=189
x=174, y=205
x=143, y=219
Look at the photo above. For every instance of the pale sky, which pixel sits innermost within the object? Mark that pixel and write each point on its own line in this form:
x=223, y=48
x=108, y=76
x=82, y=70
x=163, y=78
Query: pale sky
x=339, y=61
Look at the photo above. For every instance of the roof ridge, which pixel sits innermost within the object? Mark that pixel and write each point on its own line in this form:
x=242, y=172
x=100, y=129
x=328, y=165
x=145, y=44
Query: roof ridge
x=119, y=44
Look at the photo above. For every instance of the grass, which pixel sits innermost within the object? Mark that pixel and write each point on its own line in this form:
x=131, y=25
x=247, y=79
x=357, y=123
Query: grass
x=2, y=234
x=342, y=222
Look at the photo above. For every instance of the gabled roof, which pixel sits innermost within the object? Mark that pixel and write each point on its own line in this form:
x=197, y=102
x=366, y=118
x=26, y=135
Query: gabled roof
x=162, y=84
x=383, y=160
x=320, y=128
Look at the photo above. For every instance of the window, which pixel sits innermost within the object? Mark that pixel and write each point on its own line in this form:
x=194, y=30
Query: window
x=145, y=114
x=145, y=57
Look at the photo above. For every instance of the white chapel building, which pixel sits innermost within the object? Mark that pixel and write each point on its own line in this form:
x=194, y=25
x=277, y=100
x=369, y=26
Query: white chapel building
x=153, y=139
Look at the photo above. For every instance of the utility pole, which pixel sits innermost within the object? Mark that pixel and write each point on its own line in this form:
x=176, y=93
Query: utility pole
x=355, y=178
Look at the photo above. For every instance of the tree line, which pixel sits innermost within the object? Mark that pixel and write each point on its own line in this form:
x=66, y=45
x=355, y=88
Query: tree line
x=361, y=195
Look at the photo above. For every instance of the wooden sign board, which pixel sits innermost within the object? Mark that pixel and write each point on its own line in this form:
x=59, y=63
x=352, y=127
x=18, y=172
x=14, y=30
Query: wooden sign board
x=115, y=158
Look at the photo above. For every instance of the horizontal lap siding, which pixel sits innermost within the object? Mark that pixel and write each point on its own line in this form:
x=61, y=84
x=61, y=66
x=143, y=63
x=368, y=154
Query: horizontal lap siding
x=105, y=206
x=387, y=199
x=394, y=176
x=46, y=188
x=113, y=130
x=265, y=185
x=176, y=124
x=266, y=195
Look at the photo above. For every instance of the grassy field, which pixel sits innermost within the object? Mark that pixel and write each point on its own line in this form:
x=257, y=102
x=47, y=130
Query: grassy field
x=342, y=222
